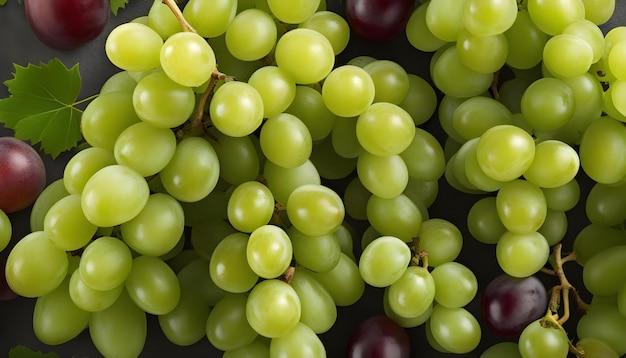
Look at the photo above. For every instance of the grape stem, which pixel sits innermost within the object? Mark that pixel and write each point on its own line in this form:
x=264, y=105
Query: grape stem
x=494, y=86
x=179, y=15
x=197, y=121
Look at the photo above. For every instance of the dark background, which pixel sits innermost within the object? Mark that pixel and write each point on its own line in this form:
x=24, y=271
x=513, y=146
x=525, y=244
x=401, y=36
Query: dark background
x=19, y=45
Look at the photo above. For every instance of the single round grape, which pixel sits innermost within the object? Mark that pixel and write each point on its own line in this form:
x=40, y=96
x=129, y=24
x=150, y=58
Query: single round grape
x=552, y=17
x=348, y=90
x=441, y=239
x=316, y=253
x=187, y=59
x=236, y=109
x=210, y=18
x=483, y=221
x=315, y=209
x=384, y=260
x=105, y=263
x=293, y=12
x=66, y=225
x=269, y=251
x=385, y=129
x=489, y=17
x=456, y=330
x=537, y=341
x=386, y=177
x=522, y=255
x=521, y=206
x=134, y=47
x=273, y=308
x=229, y=268
x=227, y=327
x=318, y=308
x=391, y=81
x=505, y=152
x=601, y=273
x=250, y=206
x=276, y=87
x=286, y=141
x=306, y=54
x=251, y=35
x=601, y=142
x=413, y=293
x=301, y=341
x=145, y=148
x=455, y=284
x=398, y=216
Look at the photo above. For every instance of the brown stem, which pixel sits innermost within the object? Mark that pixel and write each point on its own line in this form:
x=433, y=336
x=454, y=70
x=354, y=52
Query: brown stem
x=276, y=219
x=179, y=15
x=287, y=276
x=494, y=86
x=206, y=95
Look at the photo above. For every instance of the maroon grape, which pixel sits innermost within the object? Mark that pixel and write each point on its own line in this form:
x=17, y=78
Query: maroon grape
x=22, y=174
x=378, y=20
x=379, y=337
x=510, y=303
x=67, y=24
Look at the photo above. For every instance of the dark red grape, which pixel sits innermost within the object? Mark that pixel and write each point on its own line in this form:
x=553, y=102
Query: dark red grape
x=22, y=174
x=378, y=20
x=509, y=304
x=67, y=24
x=6, y=293
x=379, y=337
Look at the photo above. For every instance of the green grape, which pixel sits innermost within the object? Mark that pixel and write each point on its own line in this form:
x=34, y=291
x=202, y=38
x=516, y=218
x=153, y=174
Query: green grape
x=455, y=329
x=344, y=282
x=238, y=157
x=273, y=308
x=595, y=348
x=483, y=221
x=564, y=197
x=308, y=105
x=502, y=349
x=605, y=204
x=193, y=172
x=539, y=341
x=162, y=20
x=604, y=322
x=187, y=59
x=468, y=167
x=316, y=253
x=301, y=341
x=174, y=251
x=251, y=35
x=6, y=230
x=145, y=148
x=455, y=79
x=83, y=165
x=441, y=239
x=229, y=64
x=355, y=198
x=346, y=234
x=591, y=33
x=306, y=54
x=485, y=54
x=525, y=42
x=384, y=260
x=113, y=195
x=477, y=114
x=106, y=117
x=134, y=47
x=369, y=235
x=56, y=319
x=420, y=101
x=611, y=101
x=405, y=322
x=455, y=284
x=35, y=266
x=444, y=19
x=318, y=308
x=595, y=238
x=120, y=81
x=417, y=32
x=182, y=260
x=570, y=46
x=195, y=279
x=600, y=150
x=361, y=60
x=386, y=177
x=489, y=17
x=120, y=330
x=269, y=251
x=259, y=348
x=522, y=255
x=391, y=81
x=276, y=87
x=621, y=300
x=445, y=114
x=330, y=24
x=599, y=11
x=283, y=181
x=413, y=293
x=511, y=91
x=210, y=18
x=461, y=184
x=66, y=225
x=554, y=227
x=227, y=327
x=602, y=271
x=385, y=129
x=293, y=12
x=286, y=141
x=315, y=209
x=250, y=206
x=52, y=193
x=330, y=164
x=205, y=236
x=430, y=339
x=105, y=263
x=397, y=216
x=505, y=152
x=521, y=206
x=548, y=103
x=236, y=109
x=185, y=325
x=425, y=191
x=160, y=101
x=344, y=139
x=153, y=285
x=89, y=299
x=348, y=90
x=229, y=268
x=552, y=17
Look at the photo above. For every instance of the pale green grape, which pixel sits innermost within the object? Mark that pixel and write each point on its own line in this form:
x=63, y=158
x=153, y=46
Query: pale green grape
x=397, y=216
x=386, y=177
x=505, y=152
x=187, y=59
x=417, y=32
x=206, y=236
x=185, y=325
x=105, y=263
x=210, y=18
x=595, y=238
x=564, y=197
x=250, y=206
x=301, y=341
x=370, y=234
x=455, y=329
x=114, y=195
x=591, y=33
x=413, y=293
x=315, y=209
x=293, y=12
x=344, y=139
x=554, y=227
x=594, y=347
x=522, y=255
x=477, y=114
x=455, y=284
x=612, y=100
x=6, y=230
x=286, y=141
x=485, y=54
x=193, y=171
x=160, y=101
x=548, y=103
x=273, y=308
x=489, y=17
x=346, y=234
x=306, y=54
x=521, y=206
x=120, y=330
x=251, y=35
x=162, y=20
x=555, y=164
x=56, y=319
x=361, y=60
x=276, y=87
x=444, y=18
x=236, y=109
x=308, y=105
x=195, y=279
x=430, y=339
x=385, y=129
x=441, y=239
x=343, y=283
x=238, y=157
x=453, y=78
x=229, y=267
x=134, y=47
x=599, y=11
x=66, y=225
x=145, y=148
x=269, y=251
x=330, y=24
x=539, y=341
x=227, y=327
x=259, y=348
x=83, y=165
x=502, y=349
x=405, y=322
x=526, y=41
x=391, y=81
x=425, y=191
x=602, y=271
x=348, y=90
x=355, y=198
x=283, y=181
x=316, y=253
x=88, y=299
x=468, y=167
x=567, y=46
x=329, y=164
x=153, y=285
x=52, y=193
x=552, y=17
x=106, y=117
x=384, y=260
x=601, y=150
x=420, y=101
x=445, y=112
x=119, y=81
x=318, y=308
x=604, y=322
x=231, y=65
x=511, y=91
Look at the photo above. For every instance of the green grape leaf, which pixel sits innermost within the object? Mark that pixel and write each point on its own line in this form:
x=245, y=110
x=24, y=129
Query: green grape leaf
x=116, y=5
x=25, y=352
x=41, y=105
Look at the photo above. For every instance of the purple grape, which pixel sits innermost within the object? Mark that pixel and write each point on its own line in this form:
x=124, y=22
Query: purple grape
x=509, y=304
x=378, y=20
x=379, y=337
